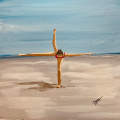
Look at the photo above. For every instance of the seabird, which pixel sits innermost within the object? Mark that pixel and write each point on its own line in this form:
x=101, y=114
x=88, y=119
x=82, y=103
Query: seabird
x=95, y=102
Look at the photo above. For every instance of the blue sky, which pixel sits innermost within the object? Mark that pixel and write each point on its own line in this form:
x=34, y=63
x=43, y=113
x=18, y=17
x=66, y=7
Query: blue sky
x=82, y=25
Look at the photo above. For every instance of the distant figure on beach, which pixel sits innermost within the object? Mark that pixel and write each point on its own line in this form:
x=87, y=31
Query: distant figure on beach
x=95, y=102
x=59, y=55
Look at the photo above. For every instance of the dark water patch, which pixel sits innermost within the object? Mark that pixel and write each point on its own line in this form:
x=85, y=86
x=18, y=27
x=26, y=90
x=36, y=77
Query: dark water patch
x=109, y=53
x=6, y=56
x=114, y=53
x=10, y=56
x=2, y=0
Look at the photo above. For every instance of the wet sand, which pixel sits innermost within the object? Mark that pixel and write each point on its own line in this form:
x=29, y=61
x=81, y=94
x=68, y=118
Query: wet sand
x=28, y=88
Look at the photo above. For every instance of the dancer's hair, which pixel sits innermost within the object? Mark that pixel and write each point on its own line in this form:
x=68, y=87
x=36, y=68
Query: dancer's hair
x=59, y=52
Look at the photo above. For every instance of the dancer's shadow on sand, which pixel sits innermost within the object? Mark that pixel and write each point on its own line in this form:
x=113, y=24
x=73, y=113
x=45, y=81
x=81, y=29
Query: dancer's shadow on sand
x=40, y=86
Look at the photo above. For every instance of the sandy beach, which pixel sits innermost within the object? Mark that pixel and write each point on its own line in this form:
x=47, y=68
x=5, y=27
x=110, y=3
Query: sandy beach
x=28, y=88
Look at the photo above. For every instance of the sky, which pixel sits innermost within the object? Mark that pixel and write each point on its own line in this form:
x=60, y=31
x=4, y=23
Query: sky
x=82, y=25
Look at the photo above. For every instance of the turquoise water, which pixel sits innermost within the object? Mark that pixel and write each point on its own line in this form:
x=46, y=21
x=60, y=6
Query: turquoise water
x=82, y=26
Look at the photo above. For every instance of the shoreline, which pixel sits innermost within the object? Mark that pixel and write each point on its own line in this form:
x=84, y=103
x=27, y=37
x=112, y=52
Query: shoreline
x=2, y=56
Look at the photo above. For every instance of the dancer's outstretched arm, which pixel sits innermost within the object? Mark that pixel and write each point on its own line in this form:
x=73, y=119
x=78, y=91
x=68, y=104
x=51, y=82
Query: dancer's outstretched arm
x=54, y=41
x=79, y=54
x=38, y=54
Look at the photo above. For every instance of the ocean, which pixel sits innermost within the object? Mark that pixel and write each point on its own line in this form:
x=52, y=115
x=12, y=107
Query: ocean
x=26, y=26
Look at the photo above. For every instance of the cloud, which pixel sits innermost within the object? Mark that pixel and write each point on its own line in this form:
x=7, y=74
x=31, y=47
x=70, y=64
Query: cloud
x=22, y=28
x=6, y=27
